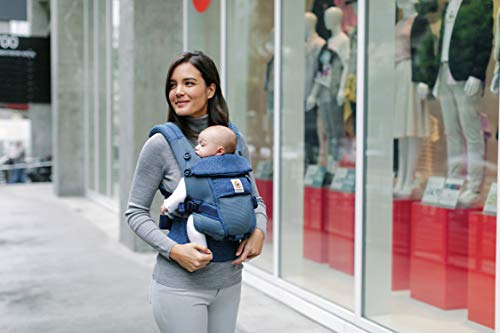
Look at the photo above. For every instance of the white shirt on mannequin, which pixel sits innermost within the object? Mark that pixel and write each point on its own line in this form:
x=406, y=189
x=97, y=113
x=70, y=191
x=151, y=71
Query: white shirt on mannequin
x=449, y=22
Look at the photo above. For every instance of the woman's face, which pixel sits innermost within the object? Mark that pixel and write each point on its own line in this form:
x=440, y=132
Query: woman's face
x=188, y=93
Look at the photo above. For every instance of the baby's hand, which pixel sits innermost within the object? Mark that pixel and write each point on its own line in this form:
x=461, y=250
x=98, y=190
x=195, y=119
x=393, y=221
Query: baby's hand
x=163, y=210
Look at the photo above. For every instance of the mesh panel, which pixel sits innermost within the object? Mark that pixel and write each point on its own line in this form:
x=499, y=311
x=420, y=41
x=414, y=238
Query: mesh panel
x=237, y=213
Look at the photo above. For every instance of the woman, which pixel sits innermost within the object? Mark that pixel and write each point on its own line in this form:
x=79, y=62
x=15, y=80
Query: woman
x=189, y=292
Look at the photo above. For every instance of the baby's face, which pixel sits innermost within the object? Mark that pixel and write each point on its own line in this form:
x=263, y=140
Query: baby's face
x=206, y=146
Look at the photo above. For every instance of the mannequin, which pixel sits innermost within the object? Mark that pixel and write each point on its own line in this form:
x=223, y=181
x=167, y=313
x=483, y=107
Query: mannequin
x=411, y=118
x=328, y=91
x=269, y=79
x=464, y=52
x=318, y=8
x=312, y=47
x=313, y=129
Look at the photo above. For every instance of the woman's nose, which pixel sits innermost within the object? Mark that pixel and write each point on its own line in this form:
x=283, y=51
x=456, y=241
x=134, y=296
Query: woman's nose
x=179, y=90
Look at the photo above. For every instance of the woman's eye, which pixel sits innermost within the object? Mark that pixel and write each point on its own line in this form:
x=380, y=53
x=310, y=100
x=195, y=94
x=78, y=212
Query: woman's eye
x=189, y=83
x=172, y=86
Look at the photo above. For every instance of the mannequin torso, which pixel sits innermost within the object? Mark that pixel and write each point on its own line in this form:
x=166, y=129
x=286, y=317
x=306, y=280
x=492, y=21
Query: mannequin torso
x=313, y=45
x=339, y=43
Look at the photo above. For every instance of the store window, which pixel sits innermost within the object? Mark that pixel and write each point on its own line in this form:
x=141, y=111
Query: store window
x=115, y=101
x=318, y=111
x=431, y=165
x=100, y=97
x=89, y=94
x=101, y=92
x=250, y=95
x=203, y=19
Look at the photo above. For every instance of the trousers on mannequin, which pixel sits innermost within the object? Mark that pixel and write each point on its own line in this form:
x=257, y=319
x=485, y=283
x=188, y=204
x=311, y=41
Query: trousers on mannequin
x=408, y=154
x=462, y=125
x=330, y=129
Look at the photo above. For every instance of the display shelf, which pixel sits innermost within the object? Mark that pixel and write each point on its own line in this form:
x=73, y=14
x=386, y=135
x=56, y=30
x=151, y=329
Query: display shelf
x=439, y=256
x=481, y=278
x=340, y=230
x=401, y=240
x=315, y=238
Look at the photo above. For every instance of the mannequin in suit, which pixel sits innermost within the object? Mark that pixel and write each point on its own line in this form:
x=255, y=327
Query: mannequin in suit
x=464, y=50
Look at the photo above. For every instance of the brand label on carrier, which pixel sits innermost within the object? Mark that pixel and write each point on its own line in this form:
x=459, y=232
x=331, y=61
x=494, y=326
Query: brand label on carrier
x=237, y=185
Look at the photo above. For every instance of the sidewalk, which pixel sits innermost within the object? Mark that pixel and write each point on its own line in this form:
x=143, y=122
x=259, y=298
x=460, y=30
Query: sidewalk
x=63, y=270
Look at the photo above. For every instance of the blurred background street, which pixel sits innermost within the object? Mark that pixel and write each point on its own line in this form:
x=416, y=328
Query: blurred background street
x=63, y=270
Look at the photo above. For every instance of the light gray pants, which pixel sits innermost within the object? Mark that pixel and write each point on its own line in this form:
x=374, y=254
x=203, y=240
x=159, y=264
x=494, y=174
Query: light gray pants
x=462, y=125
x=195, y=311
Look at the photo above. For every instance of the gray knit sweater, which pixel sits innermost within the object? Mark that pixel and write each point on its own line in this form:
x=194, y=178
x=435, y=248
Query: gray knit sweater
x=157, y=164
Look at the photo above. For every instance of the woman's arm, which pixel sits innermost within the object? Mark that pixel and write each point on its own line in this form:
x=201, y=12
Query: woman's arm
x=155, y=160
x=148, y=175
x=252, y=246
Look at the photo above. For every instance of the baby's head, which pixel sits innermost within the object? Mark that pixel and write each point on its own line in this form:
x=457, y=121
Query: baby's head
x=216, y=140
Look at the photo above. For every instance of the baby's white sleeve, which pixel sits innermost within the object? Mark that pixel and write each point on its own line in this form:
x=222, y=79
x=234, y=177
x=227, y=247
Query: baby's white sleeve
x=178, y=196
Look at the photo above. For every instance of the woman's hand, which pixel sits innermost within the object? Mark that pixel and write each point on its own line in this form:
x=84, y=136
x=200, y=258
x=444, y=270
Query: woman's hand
x=191, y=256
x=250, y=247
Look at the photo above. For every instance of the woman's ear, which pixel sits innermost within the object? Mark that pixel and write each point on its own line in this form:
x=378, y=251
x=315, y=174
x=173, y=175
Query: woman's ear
x=211, y=90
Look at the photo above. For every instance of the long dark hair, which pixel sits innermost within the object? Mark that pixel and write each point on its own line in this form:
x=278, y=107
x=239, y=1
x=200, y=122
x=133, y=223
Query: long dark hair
x=218, y=113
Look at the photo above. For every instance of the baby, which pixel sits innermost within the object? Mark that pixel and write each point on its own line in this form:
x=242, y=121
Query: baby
x=212, y=141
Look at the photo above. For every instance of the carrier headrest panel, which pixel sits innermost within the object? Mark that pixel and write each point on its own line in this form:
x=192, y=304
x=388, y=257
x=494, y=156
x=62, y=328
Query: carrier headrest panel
x=222, y=165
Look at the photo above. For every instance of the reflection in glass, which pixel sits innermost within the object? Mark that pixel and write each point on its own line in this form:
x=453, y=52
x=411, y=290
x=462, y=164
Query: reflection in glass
x=115, y=101
x=204, y=29
x=250, y=95
x=430, y=249
x=90, y=96
x=318, y=233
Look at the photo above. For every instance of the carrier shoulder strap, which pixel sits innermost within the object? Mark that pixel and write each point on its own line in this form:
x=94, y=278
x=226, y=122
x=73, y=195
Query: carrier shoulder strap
x=239, y=149
x=183, y=151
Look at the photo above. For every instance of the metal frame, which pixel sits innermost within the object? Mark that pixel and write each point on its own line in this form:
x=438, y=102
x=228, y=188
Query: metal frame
x=277, y=140
x=86, y=86
x=109, y=96
x=359, y=215
x=96, y=94
x=54, y=62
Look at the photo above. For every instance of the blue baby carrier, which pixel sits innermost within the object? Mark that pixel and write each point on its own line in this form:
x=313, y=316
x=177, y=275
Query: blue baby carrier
x=219, y=195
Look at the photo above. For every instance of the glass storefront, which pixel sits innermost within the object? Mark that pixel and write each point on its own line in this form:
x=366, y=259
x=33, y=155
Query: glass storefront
x=381, y=172
x=101, y=97
x=201, y=17
x=431, y=166
x=318, y=108
x=423, y=235
x=250, y=94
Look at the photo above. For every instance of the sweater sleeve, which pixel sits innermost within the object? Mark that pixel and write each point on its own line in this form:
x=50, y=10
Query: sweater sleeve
x=260, y=211
x=149, y=172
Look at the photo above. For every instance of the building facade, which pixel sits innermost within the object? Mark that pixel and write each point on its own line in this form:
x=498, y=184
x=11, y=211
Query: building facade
x=372, y=130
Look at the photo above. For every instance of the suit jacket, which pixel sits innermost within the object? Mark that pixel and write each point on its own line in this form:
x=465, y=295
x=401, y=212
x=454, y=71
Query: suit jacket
x=471, y=40
x=423, y=53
